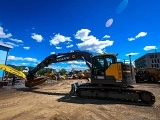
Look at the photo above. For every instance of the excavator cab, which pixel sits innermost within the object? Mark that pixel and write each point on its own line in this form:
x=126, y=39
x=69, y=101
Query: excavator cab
x=106, y=70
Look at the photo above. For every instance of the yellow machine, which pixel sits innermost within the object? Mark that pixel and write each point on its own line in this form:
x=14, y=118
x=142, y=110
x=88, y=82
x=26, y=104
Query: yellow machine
x=51, y=75
x=81, y=75
x=109, y=79
x=75, y=76
x=20, y=74
x=151, y=75
x=13, y=71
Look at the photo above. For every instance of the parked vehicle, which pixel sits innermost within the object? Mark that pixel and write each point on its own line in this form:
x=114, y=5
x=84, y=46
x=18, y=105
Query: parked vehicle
x=151, y=75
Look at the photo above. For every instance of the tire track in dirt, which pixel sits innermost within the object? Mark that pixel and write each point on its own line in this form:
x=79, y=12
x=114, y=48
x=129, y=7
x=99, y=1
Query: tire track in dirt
x=41, y=104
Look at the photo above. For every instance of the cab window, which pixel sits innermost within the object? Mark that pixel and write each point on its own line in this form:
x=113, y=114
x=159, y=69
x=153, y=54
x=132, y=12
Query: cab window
x=99, y=63
x=108, y=60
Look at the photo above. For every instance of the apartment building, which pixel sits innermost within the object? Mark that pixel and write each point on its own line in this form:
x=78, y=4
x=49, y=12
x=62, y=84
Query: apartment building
x=148, y=60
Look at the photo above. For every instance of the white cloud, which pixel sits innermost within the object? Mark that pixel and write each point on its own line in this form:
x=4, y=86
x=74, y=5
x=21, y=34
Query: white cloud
x=29, y=59
x=122, y=60
x=128, y=62
x=4, y=44
x=11, y=44
x=26, y=48
x=82, y=34
x=37, y=37
x=131, y=39
x=77, y=67
x=67, y=43
x=77, y=62
x=16, y=40
x=141, y=34
x=14, y=58
x=68, y=68
x=25, y=63
x=35, y=64
x=19, y=63
x=147, y=48
x=57, y=68
x=59, y=38
x=58, y=47
x=69, y=46
x=91, y=43
x=4, y=35
x=132, y=54
x=118, y=59
x=106, y=36
x=52, y=52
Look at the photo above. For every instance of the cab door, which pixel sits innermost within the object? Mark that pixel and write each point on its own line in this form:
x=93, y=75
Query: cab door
x=98, y=71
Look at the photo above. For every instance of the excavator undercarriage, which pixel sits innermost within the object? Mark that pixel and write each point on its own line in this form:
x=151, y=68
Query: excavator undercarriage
x=114, y=93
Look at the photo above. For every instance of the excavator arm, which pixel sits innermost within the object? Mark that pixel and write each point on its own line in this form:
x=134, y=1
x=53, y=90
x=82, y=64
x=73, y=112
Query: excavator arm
x=13, y=71
x=61, y=57
x=30, y=79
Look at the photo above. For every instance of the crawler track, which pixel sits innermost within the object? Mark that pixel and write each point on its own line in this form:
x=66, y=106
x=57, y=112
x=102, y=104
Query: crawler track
x=129, y=95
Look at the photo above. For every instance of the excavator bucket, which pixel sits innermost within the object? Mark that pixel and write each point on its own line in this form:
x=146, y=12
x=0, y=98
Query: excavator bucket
x=35, y=82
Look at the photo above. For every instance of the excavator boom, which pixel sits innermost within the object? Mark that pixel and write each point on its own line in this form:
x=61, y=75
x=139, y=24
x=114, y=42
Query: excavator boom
x=31, y=81
x=13, y=71
x=62, y=57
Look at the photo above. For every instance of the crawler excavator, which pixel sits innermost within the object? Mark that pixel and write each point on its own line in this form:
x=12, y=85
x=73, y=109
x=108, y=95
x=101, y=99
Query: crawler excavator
x=110, y=80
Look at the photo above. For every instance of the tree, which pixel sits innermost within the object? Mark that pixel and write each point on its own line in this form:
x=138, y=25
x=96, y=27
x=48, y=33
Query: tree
x=48, y=70
x=41, y=72
x=77, y=71
x=19, y=68
x=54, y=71
x=62, y=71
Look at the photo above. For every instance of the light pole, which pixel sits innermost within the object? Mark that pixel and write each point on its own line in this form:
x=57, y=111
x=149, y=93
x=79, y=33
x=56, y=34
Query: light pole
x=131, y=66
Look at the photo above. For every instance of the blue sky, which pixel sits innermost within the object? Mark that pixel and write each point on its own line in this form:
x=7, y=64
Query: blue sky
x=37, y=28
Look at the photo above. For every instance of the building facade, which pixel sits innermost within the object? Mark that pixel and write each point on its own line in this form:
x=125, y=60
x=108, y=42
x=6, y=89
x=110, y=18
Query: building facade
x=4, y=49
x=149, y=60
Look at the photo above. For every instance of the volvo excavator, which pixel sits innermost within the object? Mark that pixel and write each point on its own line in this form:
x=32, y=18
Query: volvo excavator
x=110, y=80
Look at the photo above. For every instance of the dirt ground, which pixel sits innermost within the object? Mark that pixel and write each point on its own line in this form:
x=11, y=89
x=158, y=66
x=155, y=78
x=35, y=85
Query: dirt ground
x=50, y=102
